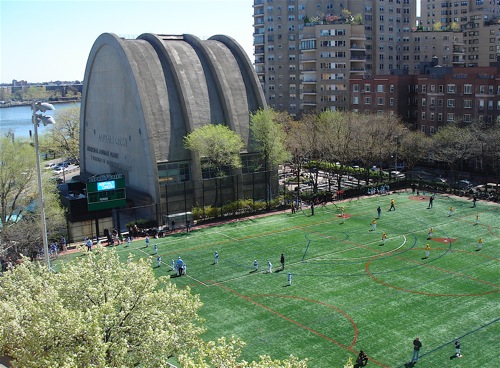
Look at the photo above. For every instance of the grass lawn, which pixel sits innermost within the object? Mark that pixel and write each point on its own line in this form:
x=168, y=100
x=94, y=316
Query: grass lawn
x=349, y=290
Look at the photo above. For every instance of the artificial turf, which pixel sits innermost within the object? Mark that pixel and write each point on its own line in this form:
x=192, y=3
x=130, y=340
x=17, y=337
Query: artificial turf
x=349, y=291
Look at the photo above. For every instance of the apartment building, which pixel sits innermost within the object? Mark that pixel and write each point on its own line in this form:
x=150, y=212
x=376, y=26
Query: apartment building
x=446, y=95
x=280, y=26
x=477, y=20
x=377, y=94
x=432, y=99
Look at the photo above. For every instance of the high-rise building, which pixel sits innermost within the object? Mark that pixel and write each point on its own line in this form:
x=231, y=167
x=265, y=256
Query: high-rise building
x=340, y=32
x=477, y=20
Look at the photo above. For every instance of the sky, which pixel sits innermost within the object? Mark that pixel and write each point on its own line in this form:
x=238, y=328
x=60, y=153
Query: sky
x=44, y=41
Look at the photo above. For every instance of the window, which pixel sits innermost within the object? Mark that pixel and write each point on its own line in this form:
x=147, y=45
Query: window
x=468, y=89
x=251, y=163
x=451, y=88
x=440, y=89
x=380, y=101
x=424, y=88
x=490, y=104
x=481, y=104
x=440, y=117
x=450, y=102
x=481, y=90
x=431, y=130
x=440, y=103
x=391, y=88
x=355, y=87
x=450, y=117
x=175, y=172
x=431, y=118
x=467, y=118
x=467, y=104
x=355, y=100
x=367, y=88
x=368, y=100
x=380, y=88
x=391, y=102
x=423, y=101
x=423, y=115
x=422, y=128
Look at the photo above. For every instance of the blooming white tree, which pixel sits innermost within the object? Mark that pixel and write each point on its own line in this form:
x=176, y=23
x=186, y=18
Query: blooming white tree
x=101, y=312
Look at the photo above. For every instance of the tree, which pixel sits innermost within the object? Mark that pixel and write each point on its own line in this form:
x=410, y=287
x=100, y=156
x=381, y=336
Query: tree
x=63, y=137
x=414, y=146
x=226, y=353
x=100, y=312
x=454, y=145
x=269, y=136
x=19, y=214
x=17, y=178
x=218, y=145
x=269, y=139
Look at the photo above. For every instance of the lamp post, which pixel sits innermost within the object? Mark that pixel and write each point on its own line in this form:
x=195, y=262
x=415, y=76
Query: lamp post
x=36, y=119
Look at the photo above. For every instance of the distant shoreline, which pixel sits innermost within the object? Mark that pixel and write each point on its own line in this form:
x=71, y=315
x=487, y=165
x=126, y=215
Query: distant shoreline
x=28, y=103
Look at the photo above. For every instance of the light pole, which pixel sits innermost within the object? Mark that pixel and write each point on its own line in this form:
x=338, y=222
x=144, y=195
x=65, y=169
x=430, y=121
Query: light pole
x=36, y=119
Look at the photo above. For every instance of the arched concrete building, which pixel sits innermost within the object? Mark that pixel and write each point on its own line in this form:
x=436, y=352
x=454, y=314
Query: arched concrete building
x=142, y=96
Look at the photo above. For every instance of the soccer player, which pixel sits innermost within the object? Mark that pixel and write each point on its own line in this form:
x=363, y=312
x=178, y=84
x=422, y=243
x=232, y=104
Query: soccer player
x=431, y=201
x=429, y=234
x=374, y=225
x=393, y=207
x=128, y=241
x=256, y=265
x=158, y=260
x=282, y=261
x=480, y=243
x=427, y=250
x=172, y=265
x=457, y=349
x=180, y=266
x=362, y=359
x=451, y=211
x=147, y=241
x=384, y=237
x=269, y=267
x=155, y=247
x=477, y=218
x=289, y=279
x=216, y=257
x=379, y=211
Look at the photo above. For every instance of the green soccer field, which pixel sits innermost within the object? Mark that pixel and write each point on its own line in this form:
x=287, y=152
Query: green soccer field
x=349, y=290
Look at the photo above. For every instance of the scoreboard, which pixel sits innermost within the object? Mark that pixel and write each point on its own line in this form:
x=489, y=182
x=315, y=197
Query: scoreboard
x=106, y=191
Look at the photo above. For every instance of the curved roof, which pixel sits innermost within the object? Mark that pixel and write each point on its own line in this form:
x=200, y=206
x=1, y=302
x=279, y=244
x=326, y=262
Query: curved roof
x=142, y=96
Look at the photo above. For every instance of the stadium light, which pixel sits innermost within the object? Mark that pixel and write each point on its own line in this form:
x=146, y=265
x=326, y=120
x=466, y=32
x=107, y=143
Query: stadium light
x=45, y=120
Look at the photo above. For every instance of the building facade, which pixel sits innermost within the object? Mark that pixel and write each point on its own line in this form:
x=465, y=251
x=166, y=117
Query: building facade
x=477, y=20
x=428, y=101
x=305, y=49
x=142, y=96
x=280, y=26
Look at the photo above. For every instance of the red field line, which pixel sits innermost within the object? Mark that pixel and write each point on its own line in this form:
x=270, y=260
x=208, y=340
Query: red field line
x=323, y=336
x=367, y=269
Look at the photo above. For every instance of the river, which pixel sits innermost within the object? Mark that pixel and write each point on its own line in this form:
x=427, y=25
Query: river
x=17, y=119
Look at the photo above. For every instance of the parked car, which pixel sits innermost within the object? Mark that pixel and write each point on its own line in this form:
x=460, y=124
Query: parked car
x=488, y=187
x=50, y=166
x=398, y=174
x=439, y=181
x=462, y=184
x=59, y=170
